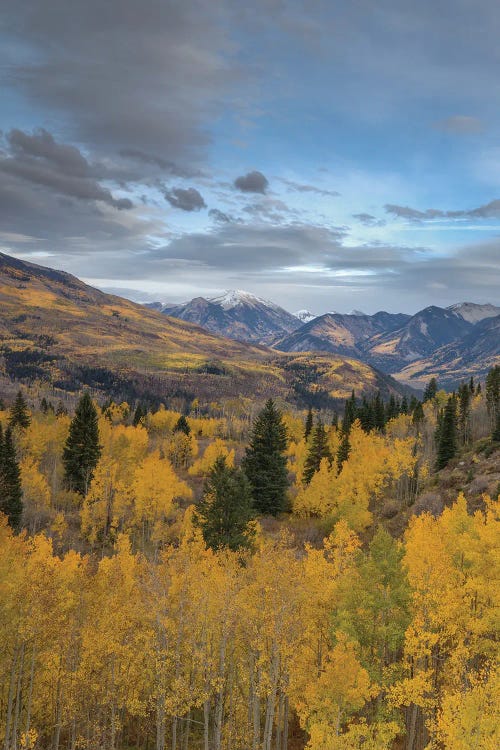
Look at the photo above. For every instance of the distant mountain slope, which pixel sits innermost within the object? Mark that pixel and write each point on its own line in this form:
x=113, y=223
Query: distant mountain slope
x=238, y=315
x=419, y=337
x=55, y=329
x=474, y=354
x=473, y=312
x=341, y=334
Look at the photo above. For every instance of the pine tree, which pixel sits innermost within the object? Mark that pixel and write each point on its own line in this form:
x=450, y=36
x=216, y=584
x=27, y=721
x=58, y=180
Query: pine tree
x=318, y=450
x=265, y=462
x=350, y=413
x=464, y=416
x=379, y=412
x=226, y=509
x=418, y=416
x=182, y=425
x=82, y=449
x=343, y=451
x=19, y=415
x=140, y=413
x=446, y=434
x=309, y=424
x=404, y=406
x=430, y=390
x=10, y=481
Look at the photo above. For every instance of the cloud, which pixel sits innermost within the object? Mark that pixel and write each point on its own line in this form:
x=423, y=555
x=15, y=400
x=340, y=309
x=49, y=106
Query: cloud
x=187, y=199
x=368, y=220
x=252, y=182
x=219, y=216
x=39, y=159
x=300, y=187
x=487, y=211
x=460, y=125
x=120, y=79
x=157, y=161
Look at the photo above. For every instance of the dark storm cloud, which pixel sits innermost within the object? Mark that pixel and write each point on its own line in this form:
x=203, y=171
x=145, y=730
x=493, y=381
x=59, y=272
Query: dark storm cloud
x=487, y=211
x=187, y=199
x=253, y=182
x=40, y=160
x=124, y=75
x=300, y=187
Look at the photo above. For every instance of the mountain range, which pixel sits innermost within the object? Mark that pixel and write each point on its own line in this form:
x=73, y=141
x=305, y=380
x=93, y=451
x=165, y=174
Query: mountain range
x=58, y=333
x=452, y=343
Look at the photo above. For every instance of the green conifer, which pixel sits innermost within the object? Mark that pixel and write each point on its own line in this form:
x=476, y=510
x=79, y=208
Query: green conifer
x=343, y=451
x=309, y=423
x=226, y=508
x=318, y=450
x=265, y=462
x=82, y=449
x=19, y=415
x=431, y=390
x=182, y=425
x=11, y=502
x=447, y=434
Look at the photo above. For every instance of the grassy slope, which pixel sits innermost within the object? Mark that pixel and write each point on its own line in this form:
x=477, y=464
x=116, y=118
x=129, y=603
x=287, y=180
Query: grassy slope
x=60, y=317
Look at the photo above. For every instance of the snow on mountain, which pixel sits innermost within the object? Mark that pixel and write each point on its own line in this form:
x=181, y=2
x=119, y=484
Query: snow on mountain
x=236, y=297
x=358, y=313
x=305, y=316
x=474, y=313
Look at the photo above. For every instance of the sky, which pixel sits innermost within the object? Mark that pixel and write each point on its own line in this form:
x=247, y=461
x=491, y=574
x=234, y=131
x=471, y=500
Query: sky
x=321, y=154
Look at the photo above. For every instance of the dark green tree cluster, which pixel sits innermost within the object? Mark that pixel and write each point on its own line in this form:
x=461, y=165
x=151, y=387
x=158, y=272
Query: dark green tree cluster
x=265, y=463
x=11, y=502
x=139, y=414
x=447, y=433
x=373, y=413
x=226, y=508
x=465, y=395
x=182, y=425
x=19, y=414
x=82, y=449
x=318, y=450
x=431, y=390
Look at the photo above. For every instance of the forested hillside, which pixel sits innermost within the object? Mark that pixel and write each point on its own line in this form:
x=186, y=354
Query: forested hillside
x=251, y=576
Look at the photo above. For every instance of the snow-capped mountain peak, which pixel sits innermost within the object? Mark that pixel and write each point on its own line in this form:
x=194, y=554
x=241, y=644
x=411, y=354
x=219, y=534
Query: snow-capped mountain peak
x=305, y=316
x=235, y=297
x=474, y=313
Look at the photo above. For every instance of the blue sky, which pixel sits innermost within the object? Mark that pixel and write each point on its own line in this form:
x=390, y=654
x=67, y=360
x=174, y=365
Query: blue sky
x=324, y=155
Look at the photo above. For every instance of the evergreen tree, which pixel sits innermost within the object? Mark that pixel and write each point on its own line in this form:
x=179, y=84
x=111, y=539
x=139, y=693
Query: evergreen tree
x=350, y=413
x=493, y=393
x=264, y=462
x=226, y=508
x=19, y=415
x=309, y=423
x=10, y=481
x=430, y=390
x=139, y=413
x=343, y=451
x=418, y=416
x=82, y=449
x=464, y=415
x=335, y=420
x=182, y=425
x=446, y=434
x=379, y=412
x=365, y=415
x=404, y=406
x=318, y=450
